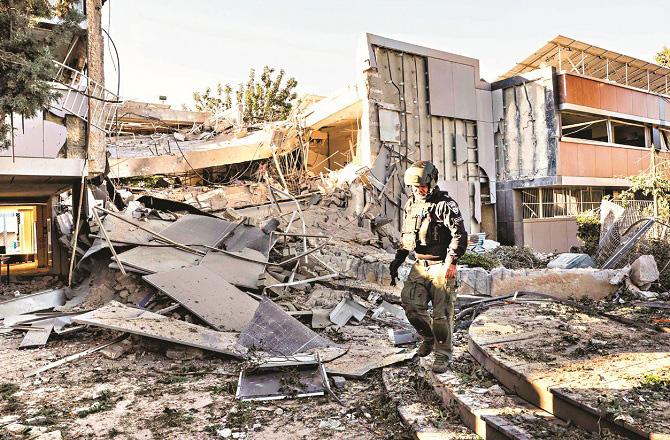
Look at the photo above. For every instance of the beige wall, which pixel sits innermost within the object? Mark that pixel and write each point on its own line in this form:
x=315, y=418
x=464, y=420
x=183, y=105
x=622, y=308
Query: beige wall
x=556, y=234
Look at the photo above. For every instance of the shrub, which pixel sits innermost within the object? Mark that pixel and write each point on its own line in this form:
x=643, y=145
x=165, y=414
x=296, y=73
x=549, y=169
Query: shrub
x=588, y=230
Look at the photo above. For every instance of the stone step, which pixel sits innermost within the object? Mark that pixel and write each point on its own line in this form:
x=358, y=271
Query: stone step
x=419, y=407
x=490, y=411
x=588, y=370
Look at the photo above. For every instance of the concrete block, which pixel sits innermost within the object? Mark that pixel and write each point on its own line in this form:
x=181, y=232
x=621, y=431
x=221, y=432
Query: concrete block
x=644, y=271
x=473, y=281
x=560, y=283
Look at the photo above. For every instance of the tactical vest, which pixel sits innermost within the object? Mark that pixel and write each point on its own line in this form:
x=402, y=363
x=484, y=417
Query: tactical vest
x=421, y=232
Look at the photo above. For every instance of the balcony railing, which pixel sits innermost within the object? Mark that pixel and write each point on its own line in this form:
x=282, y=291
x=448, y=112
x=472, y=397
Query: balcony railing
x=77, y=89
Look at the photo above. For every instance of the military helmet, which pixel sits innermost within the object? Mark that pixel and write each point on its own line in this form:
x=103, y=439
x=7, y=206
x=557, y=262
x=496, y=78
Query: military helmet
x=421, y=173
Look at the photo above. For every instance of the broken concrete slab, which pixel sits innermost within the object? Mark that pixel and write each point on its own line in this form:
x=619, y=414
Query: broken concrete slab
x=360, y=359
x=473, y=281
x=207, y=295
x=321, y=318
x=116, y=316
x=403, y=336
x=571, y=261
x=560, y=283
x=347, y=309
x=39, y=335
x=275, y=331
x=644, y=272
x=33, y=302
x=390, y=309
x=242, y=273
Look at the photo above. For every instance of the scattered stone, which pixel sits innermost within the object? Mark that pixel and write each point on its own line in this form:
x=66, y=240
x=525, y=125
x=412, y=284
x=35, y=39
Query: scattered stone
x=279, y=412
x=53, y=435
x=496, y=390
x=184, y=354
x=35, y=421
x=644, y=271
x=7, y=420
x=224, y=433
x=331, y=424
x=339, y=382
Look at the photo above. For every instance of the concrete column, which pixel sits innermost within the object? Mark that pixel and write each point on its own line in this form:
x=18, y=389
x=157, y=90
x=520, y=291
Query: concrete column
x=96, y=146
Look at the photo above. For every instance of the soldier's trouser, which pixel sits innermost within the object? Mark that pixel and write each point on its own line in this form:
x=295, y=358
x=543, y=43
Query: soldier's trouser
x=425, y=284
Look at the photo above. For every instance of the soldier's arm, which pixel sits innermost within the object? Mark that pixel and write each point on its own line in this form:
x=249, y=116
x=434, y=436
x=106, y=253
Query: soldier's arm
x=449, y=213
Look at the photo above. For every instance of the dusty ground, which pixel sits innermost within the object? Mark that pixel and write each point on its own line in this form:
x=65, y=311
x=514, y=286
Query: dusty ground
x=146, y=395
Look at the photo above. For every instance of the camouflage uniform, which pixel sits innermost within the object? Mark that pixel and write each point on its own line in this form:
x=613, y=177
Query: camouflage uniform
x=433, y=228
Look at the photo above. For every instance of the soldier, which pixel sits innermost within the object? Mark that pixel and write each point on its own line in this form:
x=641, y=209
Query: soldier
x=433, y=228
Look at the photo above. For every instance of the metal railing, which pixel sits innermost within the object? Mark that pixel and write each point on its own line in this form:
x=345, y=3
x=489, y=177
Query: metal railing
x=78, y=90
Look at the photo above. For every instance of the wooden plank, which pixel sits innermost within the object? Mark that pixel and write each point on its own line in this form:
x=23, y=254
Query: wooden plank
x=116, y=316
x=395, y=63
x=412, y=106
x=207, y=295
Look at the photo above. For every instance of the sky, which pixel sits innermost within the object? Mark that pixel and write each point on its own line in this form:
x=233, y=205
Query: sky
x=171, y=48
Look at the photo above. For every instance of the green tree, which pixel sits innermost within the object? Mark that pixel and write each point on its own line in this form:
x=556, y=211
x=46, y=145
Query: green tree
x=214, y=102
x=270, y=98
x=26, y=57
x=652, y=183
x=663, y=57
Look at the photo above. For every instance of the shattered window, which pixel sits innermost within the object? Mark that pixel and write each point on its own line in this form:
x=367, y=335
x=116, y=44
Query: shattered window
x=629, y=134
x=587, y=127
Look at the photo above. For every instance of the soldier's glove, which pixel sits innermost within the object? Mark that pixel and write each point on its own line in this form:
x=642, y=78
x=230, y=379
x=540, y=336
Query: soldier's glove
x=400, y=256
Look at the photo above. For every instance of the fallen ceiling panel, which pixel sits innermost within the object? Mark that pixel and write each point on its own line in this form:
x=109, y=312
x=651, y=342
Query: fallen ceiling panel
x=360, y=359
x=116, y=316
x=32, y=303
x=208, y=295
x=158, y=259
x=241, y=273
x=276, y=332
x=39, y=335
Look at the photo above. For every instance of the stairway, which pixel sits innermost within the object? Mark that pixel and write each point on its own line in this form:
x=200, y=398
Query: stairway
x=560, y=369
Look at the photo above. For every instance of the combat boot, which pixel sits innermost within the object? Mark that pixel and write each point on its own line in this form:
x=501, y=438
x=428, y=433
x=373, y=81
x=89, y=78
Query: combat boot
x=425, y=348
x=442, y=363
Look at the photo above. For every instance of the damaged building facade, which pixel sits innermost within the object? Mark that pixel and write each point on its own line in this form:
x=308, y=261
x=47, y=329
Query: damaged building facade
x=412, y=103
x=52, y=152
x=572, y=122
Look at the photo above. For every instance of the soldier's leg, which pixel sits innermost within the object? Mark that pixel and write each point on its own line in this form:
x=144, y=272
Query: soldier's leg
x=443, y=296
x=415, y=296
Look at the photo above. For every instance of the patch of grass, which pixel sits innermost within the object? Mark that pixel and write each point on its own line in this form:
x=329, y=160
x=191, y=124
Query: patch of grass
x=228, y=387
x=240, y=416
x=104, y=402
x=484, y=260
x=173, y=417
x=113, y=433
x=7, y=389
x=656, y=382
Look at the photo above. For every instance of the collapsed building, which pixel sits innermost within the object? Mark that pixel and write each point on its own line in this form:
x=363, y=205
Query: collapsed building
x=254, y=256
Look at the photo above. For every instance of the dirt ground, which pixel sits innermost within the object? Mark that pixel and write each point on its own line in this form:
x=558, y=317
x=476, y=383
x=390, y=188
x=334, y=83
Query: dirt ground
x=145, y=395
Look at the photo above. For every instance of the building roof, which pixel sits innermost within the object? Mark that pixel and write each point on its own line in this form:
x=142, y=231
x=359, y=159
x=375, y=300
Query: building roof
x=574, y=56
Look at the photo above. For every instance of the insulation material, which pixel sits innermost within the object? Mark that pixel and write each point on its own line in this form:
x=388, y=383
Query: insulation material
x=484, y=105
x=486, y=149
x=440, y=87
x=465, y=100
x=389, y=125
